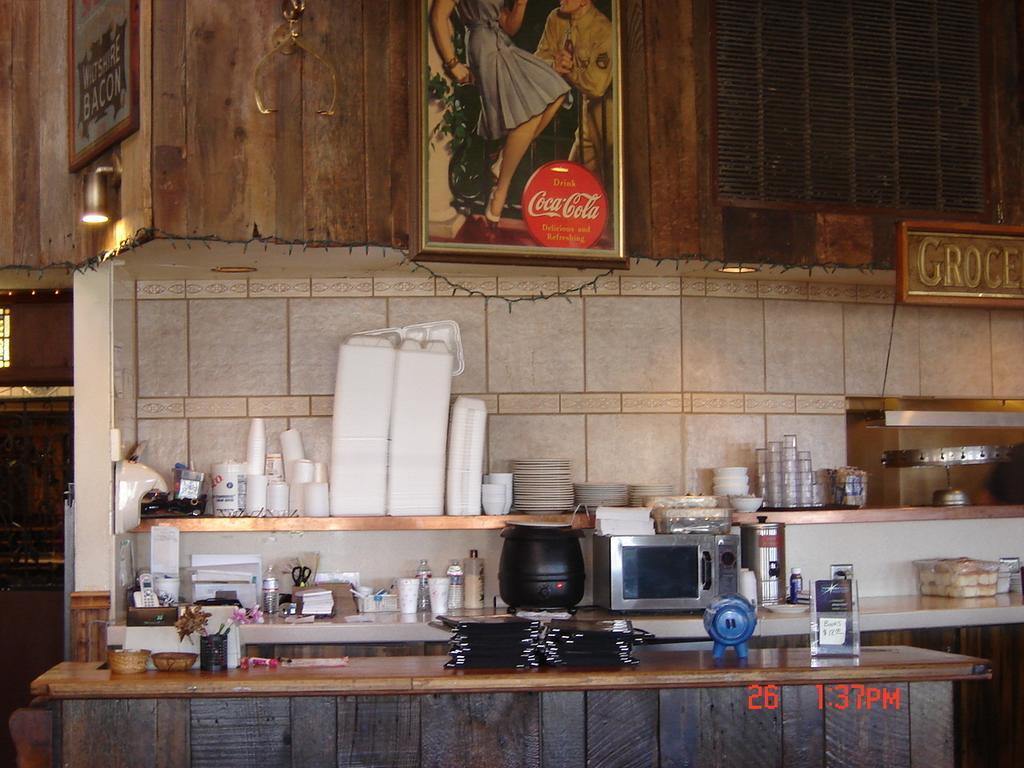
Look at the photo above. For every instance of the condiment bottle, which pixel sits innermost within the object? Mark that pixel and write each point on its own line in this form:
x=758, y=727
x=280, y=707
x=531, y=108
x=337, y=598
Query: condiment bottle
x=423, y=597
x=474, y=568
x=796, y=585
x=456, y=586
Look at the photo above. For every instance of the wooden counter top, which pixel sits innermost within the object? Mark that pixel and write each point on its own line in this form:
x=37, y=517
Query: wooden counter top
x=426, y=674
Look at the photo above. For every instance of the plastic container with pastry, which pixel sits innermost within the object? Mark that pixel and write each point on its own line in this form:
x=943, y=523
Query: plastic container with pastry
x=957, y=577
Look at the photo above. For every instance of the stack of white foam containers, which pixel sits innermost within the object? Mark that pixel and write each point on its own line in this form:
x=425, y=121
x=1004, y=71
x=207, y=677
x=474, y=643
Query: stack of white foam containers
x=419, y=428
x=466, y=438
x=363, y=394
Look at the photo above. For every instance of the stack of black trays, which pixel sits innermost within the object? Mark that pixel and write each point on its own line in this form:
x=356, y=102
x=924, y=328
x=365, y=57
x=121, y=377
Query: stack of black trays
x=588, y=643
x=493, y=642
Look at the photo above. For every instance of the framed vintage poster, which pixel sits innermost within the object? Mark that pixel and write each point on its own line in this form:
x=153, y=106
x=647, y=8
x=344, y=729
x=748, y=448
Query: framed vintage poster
x=103, y=76
x=519, y=132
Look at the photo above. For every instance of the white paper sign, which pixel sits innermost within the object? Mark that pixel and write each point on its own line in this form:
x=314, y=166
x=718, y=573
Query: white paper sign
x=831, y=630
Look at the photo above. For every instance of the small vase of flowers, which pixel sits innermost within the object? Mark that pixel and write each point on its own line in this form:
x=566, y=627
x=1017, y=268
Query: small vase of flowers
x=212, y=645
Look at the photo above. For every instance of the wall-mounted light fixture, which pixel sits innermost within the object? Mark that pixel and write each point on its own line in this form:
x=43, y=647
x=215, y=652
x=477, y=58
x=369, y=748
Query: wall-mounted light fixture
x=96, y=205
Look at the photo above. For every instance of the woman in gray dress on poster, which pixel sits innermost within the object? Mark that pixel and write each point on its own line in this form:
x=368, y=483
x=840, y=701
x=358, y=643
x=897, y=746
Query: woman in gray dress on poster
x=519, y=93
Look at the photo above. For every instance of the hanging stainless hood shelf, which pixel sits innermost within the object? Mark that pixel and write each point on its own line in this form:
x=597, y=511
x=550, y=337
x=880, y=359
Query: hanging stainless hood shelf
x=954, y=456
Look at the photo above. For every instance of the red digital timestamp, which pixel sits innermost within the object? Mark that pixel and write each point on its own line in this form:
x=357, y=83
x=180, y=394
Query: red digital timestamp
x=830, y=696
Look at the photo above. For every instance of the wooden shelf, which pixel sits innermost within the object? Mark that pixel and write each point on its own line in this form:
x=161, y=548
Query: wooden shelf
x=880, y=515
x=362, y=523
x=491, y=522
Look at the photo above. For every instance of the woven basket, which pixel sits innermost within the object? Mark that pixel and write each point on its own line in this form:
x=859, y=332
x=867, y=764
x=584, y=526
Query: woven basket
x=378, y=604
x=123, y=662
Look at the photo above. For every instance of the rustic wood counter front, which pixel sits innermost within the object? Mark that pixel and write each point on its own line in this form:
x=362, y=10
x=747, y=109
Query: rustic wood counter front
x=674, y=708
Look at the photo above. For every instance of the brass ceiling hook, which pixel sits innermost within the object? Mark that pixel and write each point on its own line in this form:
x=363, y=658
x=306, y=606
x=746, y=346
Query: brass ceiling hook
x=292, y=11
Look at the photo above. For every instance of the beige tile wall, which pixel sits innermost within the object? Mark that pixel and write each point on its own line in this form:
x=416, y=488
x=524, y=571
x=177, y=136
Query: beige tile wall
x=643, y=379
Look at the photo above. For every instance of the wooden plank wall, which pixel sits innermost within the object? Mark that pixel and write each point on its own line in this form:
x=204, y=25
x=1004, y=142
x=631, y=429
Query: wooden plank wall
x=205, y=161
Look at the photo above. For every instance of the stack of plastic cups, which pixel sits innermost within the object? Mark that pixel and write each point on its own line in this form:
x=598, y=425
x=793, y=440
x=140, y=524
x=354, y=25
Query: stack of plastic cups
x=784, y=474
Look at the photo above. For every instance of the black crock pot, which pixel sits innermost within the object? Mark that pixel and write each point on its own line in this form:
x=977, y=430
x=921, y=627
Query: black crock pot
x=541, y=566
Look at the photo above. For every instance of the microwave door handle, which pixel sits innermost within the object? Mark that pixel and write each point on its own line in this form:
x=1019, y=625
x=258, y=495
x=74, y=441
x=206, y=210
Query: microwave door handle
x=705, y=570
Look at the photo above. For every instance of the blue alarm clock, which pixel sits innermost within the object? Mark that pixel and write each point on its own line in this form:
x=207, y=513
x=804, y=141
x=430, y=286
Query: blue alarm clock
x=730, y=620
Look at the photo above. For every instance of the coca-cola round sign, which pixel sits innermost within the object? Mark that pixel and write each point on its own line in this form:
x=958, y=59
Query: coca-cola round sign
x=565, y=206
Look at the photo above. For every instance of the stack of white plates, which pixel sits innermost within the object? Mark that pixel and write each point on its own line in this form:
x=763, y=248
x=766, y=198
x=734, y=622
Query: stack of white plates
x=601, y=494
x=640, y=491
x=542, y=486
x=731, y=481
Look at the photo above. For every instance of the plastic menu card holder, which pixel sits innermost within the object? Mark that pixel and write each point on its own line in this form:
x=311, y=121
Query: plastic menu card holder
x=835, y=619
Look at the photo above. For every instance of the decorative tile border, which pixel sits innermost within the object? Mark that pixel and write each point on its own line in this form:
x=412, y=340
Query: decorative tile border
x=214, y=407
x=485, y=285
x=731, y=289
x=832, y=292
x=160, y=408
x=693, y=286
x=403, y=286
x=763, y=403
x=717, y=402
x=527, y=286
x=592, y=403
x=821, y=404
x=271, y=288
x=876, y=294
x=640, y=402
x=649, y=286
x=528, y=403
x=217, y=289
x=160, y=289
x=27, y=393
x=605, y=286
x=279, y=406
x=781, y=290
x=321, y=405
x=342, y=287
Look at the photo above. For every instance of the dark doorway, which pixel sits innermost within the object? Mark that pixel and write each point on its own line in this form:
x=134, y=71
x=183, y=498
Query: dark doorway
x=35, y=468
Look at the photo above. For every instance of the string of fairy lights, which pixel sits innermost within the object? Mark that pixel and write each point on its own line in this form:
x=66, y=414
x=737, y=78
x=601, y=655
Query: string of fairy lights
x=454, y=285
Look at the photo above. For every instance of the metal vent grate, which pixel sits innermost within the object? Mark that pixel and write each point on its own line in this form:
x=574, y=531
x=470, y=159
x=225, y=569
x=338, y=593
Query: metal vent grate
x=865, y=102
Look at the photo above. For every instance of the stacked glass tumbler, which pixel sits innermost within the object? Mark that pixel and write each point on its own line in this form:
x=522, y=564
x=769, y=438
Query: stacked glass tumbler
x=785, y=475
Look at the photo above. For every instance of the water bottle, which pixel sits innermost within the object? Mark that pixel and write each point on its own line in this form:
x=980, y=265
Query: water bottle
x=456, y=586
x=271, y=596
x=423, y=598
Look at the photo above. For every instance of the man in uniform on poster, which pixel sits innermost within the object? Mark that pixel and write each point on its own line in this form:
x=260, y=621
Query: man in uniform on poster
x=577, y=42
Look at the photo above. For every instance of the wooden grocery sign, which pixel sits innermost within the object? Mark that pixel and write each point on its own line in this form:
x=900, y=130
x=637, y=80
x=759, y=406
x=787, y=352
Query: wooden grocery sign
x=967, y=264
x=103, y=76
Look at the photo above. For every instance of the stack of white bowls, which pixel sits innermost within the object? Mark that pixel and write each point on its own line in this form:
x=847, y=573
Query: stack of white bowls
x=496, y=493
x=592, y=495
x=639, y=492
x=731, y=481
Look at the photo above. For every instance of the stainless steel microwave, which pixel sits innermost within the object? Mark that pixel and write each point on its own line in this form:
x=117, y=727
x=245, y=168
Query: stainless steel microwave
x=664, y=572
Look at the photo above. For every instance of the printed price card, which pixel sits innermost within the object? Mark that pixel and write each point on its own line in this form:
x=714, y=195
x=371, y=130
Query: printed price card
x=835, y=629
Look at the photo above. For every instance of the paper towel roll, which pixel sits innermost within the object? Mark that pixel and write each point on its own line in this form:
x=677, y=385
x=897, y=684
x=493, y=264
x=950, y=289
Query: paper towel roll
x=748, y=585
x=303, y=471
x=319, y=472
x=291, y=450
x=316, y=499
x=277, y=499
x=255, y=494
x=257, y=456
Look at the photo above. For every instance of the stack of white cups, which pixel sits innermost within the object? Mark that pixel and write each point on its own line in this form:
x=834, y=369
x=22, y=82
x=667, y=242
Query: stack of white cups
x=256, y=463
x=303, y=472
x=497, y=490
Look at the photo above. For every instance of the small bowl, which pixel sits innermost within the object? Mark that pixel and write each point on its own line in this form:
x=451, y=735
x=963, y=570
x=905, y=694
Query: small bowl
x=124, y=662
x=746, y=503
x=174, y=661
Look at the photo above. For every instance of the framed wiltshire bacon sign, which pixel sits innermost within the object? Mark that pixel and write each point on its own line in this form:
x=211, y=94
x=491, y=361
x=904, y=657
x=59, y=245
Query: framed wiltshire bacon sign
x=519, y=132
x=103, y=76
